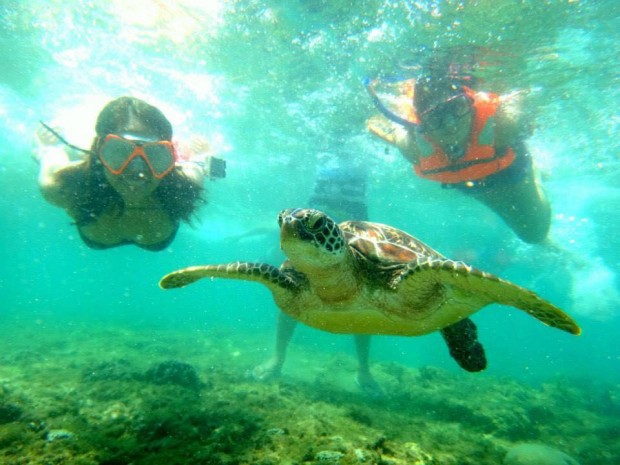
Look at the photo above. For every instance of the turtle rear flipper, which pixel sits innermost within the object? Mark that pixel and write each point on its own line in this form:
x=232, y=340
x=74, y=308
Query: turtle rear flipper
x=462, y=341
x=479, y=289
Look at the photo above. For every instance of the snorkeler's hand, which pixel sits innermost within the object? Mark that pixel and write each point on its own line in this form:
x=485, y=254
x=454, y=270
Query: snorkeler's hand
x=46, y=143
x=196, y=150
x=395, y=135
x=44, y=137
x=199, y=146
x=201, y=153
x=384, y=129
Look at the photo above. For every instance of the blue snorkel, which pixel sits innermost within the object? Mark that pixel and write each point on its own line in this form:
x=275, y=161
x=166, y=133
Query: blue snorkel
x=370, y=88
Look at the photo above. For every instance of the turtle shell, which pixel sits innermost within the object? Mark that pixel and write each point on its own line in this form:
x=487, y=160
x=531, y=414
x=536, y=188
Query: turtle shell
x=383, y=246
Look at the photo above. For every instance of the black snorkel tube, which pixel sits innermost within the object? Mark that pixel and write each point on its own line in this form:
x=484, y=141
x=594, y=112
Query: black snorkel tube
x=370, y=88
x=63, y=140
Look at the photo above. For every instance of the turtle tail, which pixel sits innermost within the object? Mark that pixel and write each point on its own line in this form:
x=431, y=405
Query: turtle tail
x=493, y=289
x=263, y=273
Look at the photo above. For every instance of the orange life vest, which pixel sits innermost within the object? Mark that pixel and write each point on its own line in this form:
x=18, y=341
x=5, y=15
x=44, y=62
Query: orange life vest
x=480, y=159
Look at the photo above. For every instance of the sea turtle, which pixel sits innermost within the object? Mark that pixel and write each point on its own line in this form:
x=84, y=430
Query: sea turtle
x=359, y=277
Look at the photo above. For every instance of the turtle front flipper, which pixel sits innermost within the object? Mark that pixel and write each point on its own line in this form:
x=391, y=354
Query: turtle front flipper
x=458, y=290
x=263, y=273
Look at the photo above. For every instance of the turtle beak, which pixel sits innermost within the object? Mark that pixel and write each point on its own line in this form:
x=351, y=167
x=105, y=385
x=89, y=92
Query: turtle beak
x=291, y=228
x=288, y=229
x=287, y=221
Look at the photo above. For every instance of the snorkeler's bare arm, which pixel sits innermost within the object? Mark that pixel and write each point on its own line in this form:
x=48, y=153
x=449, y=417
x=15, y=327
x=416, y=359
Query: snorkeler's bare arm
x=513, y=125
x=52, y=158
x=52, y=163
x=394, y=134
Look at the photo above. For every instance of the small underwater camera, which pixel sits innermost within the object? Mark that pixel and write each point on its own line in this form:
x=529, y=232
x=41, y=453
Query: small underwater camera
x=215, y=167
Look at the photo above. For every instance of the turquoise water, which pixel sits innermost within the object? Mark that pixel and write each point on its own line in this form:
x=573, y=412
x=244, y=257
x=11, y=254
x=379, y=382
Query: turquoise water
x=277, y=87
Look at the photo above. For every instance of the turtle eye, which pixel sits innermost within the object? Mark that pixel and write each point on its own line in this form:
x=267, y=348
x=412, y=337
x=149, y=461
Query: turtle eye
x=316, y=222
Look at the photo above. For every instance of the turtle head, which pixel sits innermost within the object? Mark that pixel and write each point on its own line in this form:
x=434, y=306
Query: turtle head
x=311, y=238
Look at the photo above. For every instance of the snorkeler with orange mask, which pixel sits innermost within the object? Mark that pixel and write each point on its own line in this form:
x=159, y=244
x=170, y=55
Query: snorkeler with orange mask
x=131, y=187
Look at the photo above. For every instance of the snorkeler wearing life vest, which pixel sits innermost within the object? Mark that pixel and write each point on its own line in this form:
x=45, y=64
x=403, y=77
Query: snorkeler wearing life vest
x=472, y=141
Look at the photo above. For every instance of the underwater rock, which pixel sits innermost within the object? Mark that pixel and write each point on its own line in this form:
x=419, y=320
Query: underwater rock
x=113, y=370
x=537, y=454
x=173, y=372
x=276, y=432
x=56, y=434
x=9, y=413
x=328, y=456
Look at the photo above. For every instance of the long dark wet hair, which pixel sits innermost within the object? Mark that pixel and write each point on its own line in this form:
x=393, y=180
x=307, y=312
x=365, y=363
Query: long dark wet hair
x=89, y=192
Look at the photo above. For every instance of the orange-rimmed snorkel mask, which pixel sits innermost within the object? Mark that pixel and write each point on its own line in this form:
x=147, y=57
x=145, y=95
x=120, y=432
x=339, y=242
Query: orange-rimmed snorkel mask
x=456, y=106
x=405, y=113
x=116, y=153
